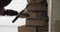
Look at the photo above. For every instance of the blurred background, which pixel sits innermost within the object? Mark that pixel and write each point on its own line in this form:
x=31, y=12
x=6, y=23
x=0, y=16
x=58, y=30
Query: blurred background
x=6, y=24
x=17, y=5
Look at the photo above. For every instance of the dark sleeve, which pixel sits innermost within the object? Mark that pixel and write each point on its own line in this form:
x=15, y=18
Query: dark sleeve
x=11, y=12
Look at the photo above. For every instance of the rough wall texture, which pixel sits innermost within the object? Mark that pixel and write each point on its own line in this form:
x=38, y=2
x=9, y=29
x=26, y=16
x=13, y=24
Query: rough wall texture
x=37, y=18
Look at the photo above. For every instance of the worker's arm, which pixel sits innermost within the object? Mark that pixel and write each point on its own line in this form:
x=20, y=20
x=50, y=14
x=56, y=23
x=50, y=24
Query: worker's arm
x=22, y=14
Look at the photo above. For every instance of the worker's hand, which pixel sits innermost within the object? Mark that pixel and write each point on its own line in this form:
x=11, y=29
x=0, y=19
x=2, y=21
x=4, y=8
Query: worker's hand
x=24, y=14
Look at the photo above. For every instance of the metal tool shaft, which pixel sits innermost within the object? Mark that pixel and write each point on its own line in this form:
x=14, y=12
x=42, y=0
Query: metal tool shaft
x=26, y=15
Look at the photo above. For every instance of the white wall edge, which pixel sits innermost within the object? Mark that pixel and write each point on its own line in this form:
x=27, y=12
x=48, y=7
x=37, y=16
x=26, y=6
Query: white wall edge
x=49, y=13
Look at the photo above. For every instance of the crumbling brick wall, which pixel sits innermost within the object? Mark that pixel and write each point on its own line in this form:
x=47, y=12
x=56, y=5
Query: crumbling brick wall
x=37, y=16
